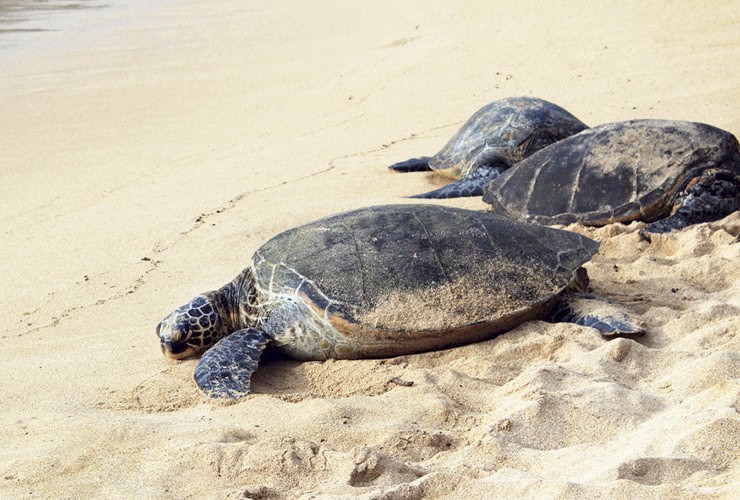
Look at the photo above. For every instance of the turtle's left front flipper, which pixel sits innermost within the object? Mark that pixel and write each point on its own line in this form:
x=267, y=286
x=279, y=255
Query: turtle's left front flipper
x=588, y=310
x=226, y=369
x=470, y=185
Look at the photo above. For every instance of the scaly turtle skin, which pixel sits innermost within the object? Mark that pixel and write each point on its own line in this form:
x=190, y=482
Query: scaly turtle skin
x=669, y=173
x=385, y=281
x=497, y=136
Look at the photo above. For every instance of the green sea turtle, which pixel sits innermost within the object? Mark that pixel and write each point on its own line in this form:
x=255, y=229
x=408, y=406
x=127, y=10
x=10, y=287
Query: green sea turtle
x=497, y=136
x=668, y=173
x=386, y=281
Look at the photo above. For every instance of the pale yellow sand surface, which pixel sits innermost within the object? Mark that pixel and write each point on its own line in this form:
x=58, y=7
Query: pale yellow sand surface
x=144, y=161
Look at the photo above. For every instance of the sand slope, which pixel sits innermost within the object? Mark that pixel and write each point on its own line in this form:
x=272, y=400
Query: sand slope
x=144, y=162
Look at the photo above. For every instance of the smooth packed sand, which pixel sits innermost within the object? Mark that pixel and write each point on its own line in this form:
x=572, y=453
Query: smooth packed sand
x=145, y=153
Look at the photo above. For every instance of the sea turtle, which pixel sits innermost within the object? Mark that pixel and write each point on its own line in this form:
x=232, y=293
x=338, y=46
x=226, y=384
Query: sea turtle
x=668, y=173
x=386, y=281
x=497, y=136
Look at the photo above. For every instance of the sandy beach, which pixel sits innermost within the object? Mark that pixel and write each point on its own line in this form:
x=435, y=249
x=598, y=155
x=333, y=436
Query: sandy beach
x=146, y=152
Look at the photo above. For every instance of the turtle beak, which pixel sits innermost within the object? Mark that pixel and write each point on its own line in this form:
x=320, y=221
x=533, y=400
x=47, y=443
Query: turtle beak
x=177, y=350
x=171, y=343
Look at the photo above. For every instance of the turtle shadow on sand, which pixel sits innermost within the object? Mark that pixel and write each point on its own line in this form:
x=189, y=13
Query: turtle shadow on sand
x=293, y=381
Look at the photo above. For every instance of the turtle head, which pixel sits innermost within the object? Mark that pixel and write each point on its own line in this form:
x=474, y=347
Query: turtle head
x=457, y=166
x=191, y=329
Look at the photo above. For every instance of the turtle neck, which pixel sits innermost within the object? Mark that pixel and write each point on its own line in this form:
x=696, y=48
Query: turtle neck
x=236, y=302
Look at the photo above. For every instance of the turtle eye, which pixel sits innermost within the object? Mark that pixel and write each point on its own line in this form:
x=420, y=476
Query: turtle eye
x=181, y=331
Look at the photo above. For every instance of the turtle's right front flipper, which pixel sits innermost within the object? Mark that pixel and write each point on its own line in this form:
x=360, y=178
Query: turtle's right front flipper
x=413, y=165
x=225, y=370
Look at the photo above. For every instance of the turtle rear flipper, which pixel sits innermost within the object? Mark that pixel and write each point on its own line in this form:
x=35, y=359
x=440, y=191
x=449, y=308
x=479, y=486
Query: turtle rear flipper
x=226, y=369
x=587, y=310
x=413, y=165
x=471, y=185
x=711, y=197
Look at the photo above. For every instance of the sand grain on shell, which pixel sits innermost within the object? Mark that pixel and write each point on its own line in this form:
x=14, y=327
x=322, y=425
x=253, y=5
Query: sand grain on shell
x=486, y=295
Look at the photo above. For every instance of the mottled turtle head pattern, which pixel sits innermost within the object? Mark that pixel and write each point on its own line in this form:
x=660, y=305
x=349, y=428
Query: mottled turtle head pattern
x=191, y=329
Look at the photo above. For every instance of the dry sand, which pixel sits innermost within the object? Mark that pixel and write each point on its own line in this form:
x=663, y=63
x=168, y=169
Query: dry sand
x=144, y=160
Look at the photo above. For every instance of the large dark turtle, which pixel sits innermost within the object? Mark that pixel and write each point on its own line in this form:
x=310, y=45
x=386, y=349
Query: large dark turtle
x=668, y=173
x=497, y=136
x=386, y=281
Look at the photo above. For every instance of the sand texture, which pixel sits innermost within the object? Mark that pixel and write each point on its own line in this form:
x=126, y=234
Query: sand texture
x=147, y=152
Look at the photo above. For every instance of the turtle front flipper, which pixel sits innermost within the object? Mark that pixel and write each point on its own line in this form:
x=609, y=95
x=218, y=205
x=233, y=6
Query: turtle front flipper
x=413, y=165
x=588, y=310
x=226, y=369
x=470, y=185
x=710, y=197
